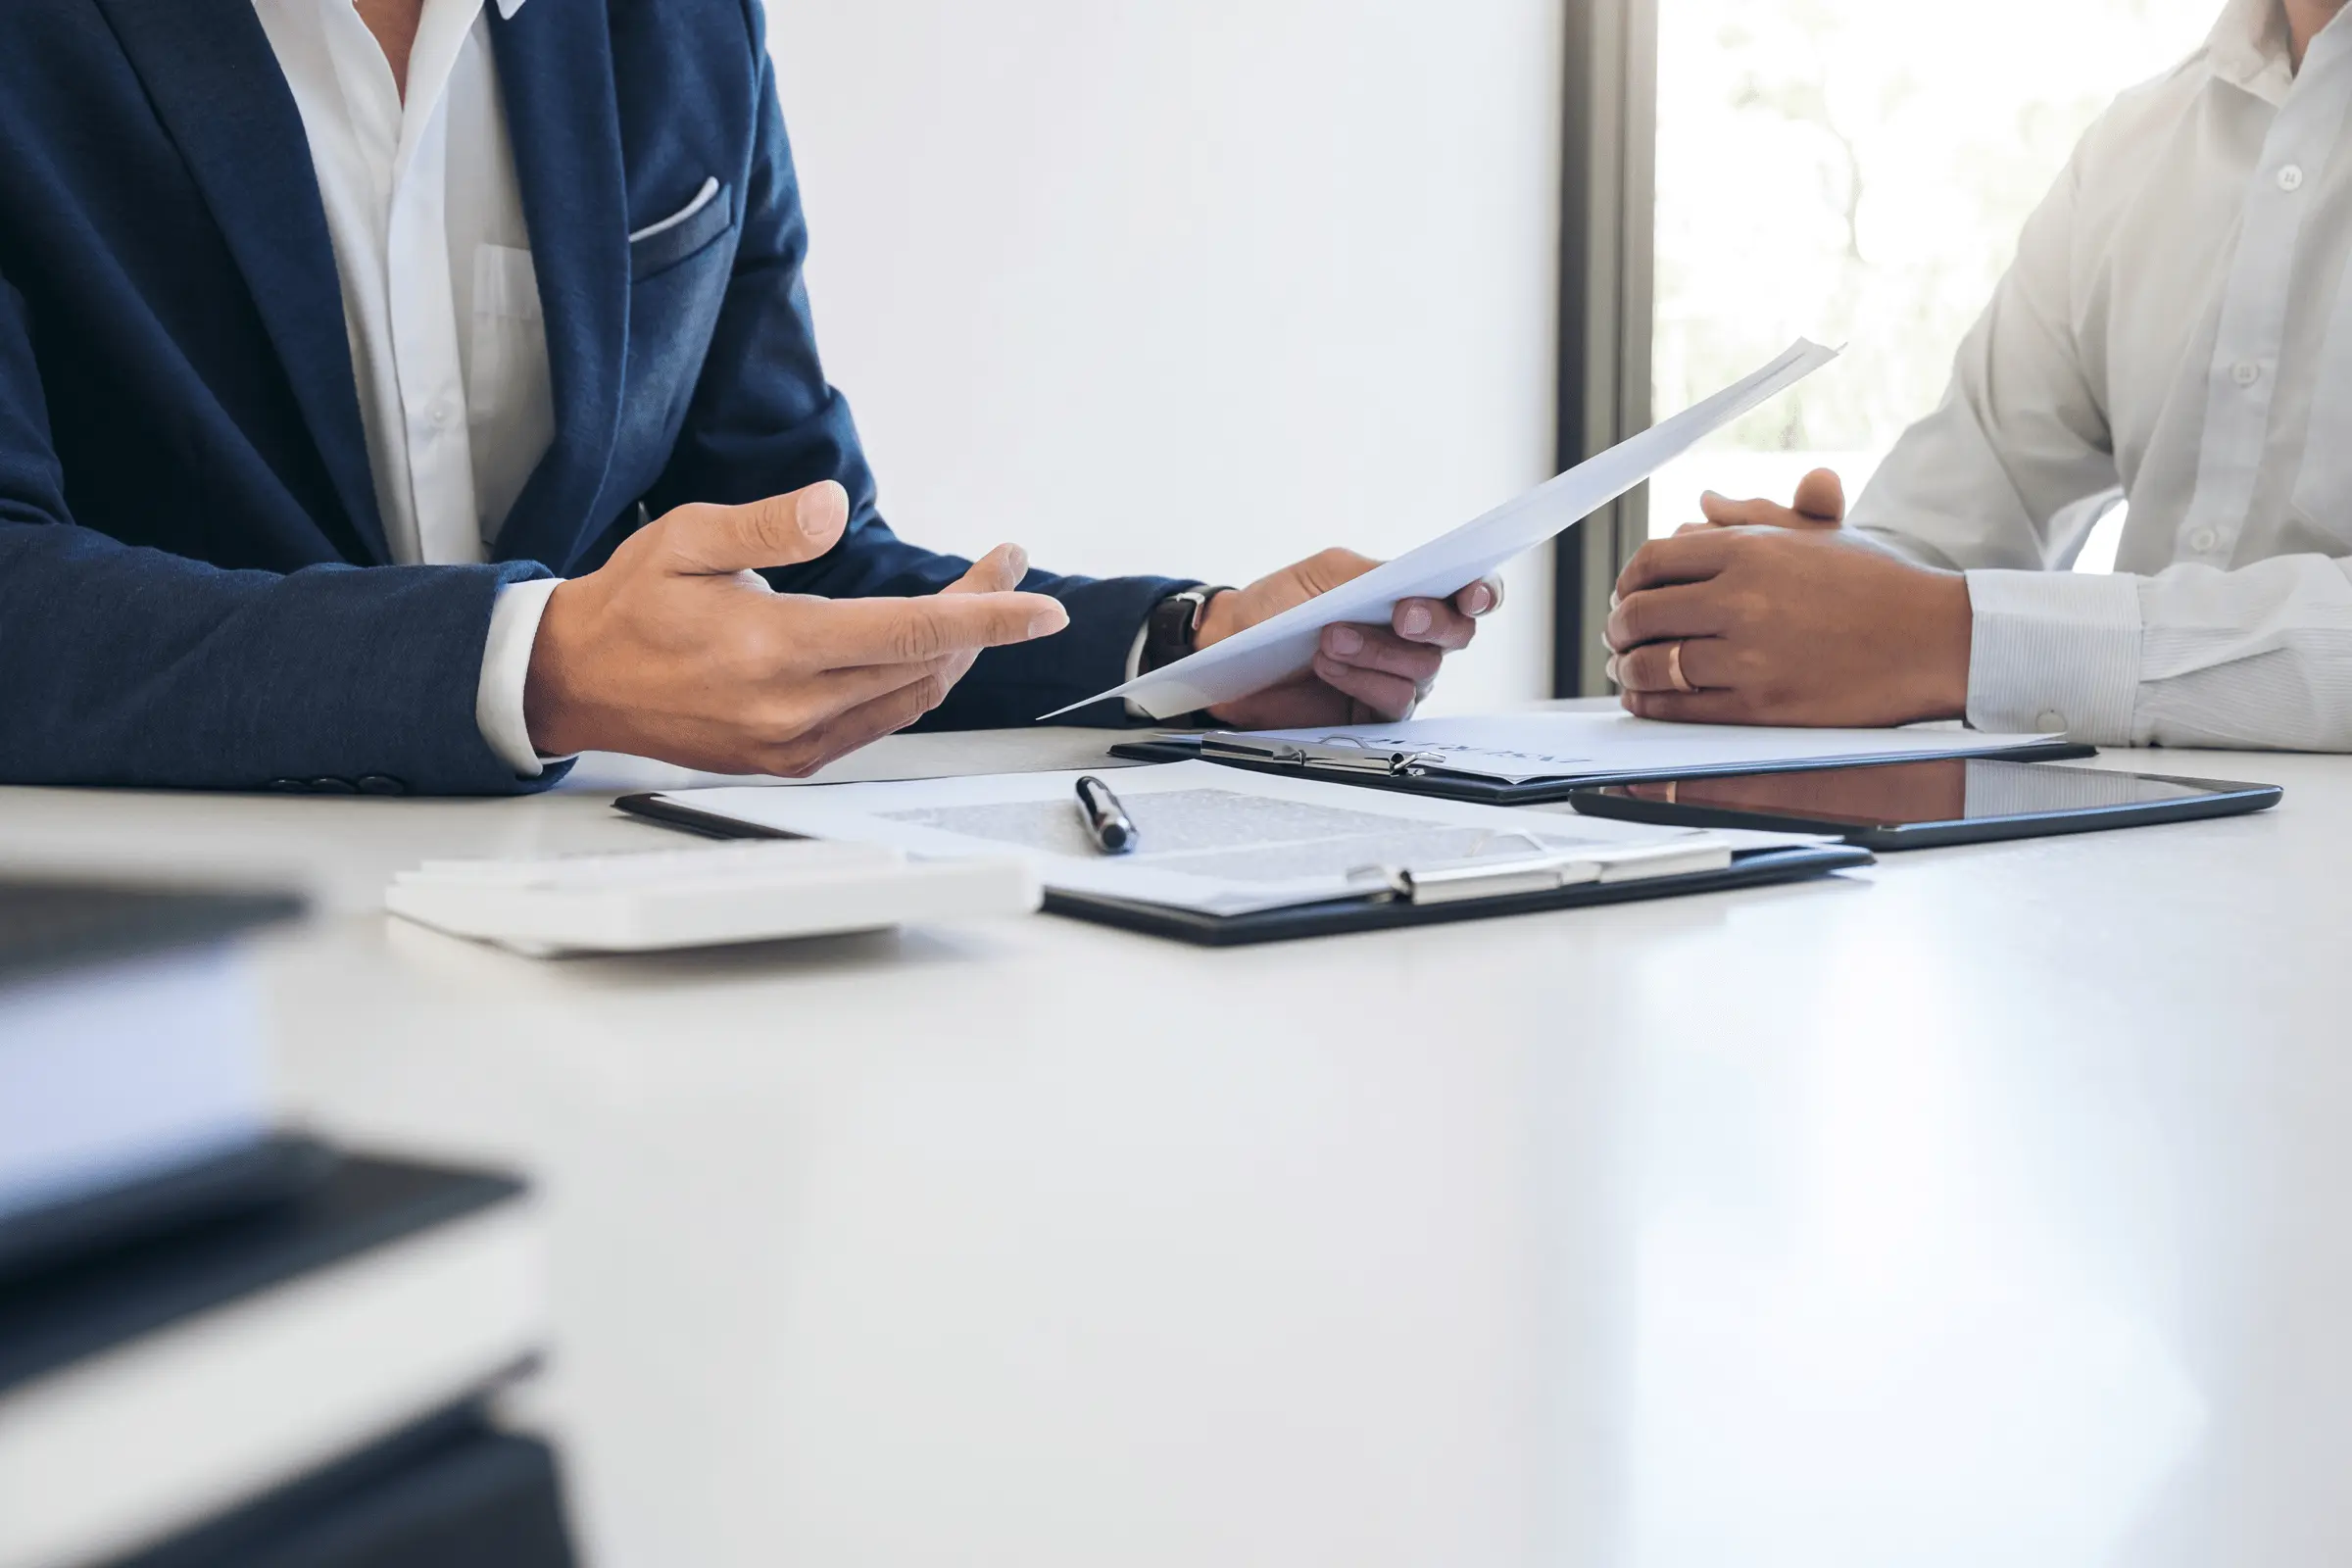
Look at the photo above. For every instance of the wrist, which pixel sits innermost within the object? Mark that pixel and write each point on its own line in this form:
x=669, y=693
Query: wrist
x=1178, y=626
x=553, y=710
x=1949, y=632
x=1220, y=617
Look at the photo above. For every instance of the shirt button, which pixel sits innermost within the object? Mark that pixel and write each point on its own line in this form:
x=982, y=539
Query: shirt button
x=2203, y=541
x=2290, y=178
x=439, y=414
x=2245, y=372
x=2051, y=722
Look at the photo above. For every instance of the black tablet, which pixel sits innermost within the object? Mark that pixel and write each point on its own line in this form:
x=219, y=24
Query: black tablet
x=1918, y=806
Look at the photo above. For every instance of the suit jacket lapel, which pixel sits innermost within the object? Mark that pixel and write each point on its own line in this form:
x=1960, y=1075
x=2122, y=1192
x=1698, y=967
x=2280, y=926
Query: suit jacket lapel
x=554, y=60
x=216, y=85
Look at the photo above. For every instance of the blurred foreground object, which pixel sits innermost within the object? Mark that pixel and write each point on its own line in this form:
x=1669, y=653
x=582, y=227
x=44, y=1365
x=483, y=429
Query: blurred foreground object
x=220, y=1343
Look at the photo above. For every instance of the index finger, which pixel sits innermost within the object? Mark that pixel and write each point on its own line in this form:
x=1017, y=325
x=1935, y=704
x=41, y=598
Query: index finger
x=1685, y=557
x=858, y=632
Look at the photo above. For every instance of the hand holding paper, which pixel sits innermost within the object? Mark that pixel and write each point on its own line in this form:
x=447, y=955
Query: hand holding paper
x=1282, y=647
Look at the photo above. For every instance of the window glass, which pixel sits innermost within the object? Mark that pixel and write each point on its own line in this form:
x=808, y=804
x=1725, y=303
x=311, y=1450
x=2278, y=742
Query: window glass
x=1857, y=171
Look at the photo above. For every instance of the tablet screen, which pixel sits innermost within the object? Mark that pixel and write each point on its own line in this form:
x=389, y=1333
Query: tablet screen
x=1913, y=794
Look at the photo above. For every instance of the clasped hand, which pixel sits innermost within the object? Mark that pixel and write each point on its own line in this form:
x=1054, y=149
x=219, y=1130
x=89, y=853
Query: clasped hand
x=677, y=648
x=1770, y=614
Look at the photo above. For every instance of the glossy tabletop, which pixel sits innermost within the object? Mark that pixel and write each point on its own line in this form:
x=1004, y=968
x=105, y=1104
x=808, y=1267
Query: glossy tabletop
x=1993, y=1205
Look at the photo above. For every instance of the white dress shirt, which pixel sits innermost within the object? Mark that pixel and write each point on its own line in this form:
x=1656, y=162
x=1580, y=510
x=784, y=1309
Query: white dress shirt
x=2179, y=325
x=439, y=297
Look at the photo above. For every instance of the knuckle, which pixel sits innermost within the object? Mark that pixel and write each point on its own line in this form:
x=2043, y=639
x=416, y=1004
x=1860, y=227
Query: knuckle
x=792, y=759
x=782, y=723
x=905, y=641
x=772, y=522
x=760, y=649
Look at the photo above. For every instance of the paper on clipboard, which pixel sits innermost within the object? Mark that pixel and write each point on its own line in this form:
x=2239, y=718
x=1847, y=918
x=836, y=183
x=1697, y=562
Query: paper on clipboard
x=1273, y=651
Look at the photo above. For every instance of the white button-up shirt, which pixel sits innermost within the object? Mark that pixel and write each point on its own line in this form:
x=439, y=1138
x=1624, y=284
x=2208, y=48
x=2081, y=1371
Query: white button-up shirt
x=440, y=300
x=2177, y=325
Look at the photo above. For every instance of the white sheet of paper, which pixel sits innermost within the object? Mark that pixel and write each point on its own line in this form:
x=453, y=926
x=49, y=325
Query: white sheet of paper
x=1212, y=839
x=1273, y=651
x=1518, y=747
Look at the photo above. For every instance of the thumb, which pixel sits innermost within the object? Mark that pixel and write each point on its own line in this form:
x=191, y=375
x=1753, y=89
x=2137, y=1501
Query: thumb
x=999, y=572
x=1724, y=512
x=1296, y=584
x=779, y=531
x=1821, y=496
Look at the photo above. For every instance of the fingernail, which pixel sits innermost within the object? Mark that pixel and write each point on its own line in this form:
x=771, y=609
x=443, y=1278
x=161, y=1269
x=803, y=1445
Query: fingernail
x=1614, y=599
x=815, y=510
x=1611, y=669
x=1713, y=495
x=1016, y=561
x=1346, y=641
x=1046, y=623
x=1481, y=599
x=1416, y=620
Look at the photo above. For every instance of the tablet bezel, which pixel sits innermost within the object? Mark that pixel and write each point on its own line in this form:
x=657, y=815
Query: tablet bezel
x=2217, y=798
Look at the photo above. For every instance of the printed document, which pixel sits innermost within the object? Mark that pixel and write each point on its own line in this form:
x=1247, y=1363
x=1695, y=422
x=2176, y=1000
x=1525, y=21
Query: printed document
x=1215, y=840
x=1273, y=651
x=1520, y=748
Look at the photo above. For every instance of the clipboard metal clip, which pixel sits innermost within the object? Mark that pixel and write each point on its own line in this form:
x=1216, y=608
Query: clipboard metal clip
x=1483, y=879
x=1468, y=881
x=1385, y=763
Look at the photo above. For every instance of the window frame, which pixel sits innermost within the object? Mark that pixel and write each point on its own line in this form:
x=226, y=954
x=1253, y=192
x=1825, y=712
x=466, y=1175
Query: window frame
x=1607, y=295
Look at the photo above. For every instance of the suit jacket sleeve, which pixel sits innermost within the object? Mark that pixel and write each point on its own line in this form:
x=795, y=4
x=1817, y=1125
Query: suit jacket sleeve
x=764, y=422
x=136, y=666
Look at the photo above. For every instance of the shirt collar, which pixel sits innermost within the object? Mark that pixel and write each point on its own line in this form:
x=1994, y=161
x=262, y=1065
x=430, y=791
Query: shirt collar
x=2247, y=48
x=508, y=8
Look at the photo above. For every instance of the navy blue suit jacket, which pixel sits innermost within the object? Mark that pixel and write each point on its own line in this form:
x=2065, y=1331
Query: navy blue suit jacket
x=194, y=585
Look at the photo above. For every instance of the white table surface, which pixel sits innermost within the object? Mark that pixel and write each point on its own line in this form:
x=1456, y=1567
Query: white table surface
x=1990, y=1206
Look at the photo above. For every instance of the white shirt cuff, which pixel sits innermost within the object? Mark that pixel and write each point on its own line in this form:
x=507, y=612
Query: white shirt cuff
x=1135, y=667
x=505, y=665
x=2054, y=653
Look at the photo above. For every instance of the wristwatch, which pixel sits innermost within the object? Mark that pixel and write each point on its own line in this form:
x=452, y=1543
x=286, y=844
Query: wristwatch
x=1173, y=630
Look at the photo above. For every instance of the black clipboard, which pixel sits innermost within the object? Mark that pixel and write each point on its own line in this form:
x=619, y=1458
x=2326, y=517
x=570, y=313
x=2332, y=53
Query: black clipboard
x=1439, y=784
x=1345, y=916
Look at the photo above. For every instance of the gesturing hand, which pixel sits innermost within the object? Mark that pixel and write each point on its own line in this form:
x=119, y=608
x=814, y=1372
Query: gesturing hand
x=1361, y=673
x=676, y=650
x=1768, y=625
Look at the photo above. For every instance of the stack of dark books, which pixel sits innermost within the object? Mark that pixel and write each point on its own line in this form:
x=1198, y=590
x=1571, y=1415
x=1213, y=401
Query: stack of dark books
x=221, y=1342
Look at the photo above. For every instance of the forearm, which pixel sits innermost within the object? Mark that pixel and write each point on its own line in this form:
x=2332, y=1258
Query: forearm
x=141, y=669
x=2258, y=658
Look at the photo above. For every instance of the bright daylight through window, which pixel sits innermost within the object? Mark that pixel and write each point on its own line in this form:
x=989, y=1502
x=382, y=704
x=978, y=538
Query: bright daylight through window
x=1857, y=171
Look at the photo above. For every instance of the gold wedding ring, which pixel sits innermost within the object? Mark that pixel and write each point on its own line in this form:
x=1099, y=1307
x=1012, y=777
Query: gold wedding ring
x=1673, y=670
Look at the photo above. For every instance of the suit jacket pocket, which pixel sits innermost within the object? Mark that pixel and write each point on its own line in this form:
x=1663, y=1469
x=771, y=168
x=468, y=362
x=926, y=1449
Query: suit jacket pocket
x=660, y=246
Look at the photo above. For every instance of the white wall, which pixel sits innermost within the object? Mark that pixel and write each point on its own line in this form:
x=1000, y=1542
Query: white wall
x=1194, y=287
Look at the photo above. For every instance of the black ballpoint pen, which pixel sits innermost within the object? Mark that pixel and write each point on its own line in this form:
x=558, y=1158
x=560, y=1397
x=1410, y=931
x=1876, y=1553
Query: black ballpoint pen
x=1106, y=820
